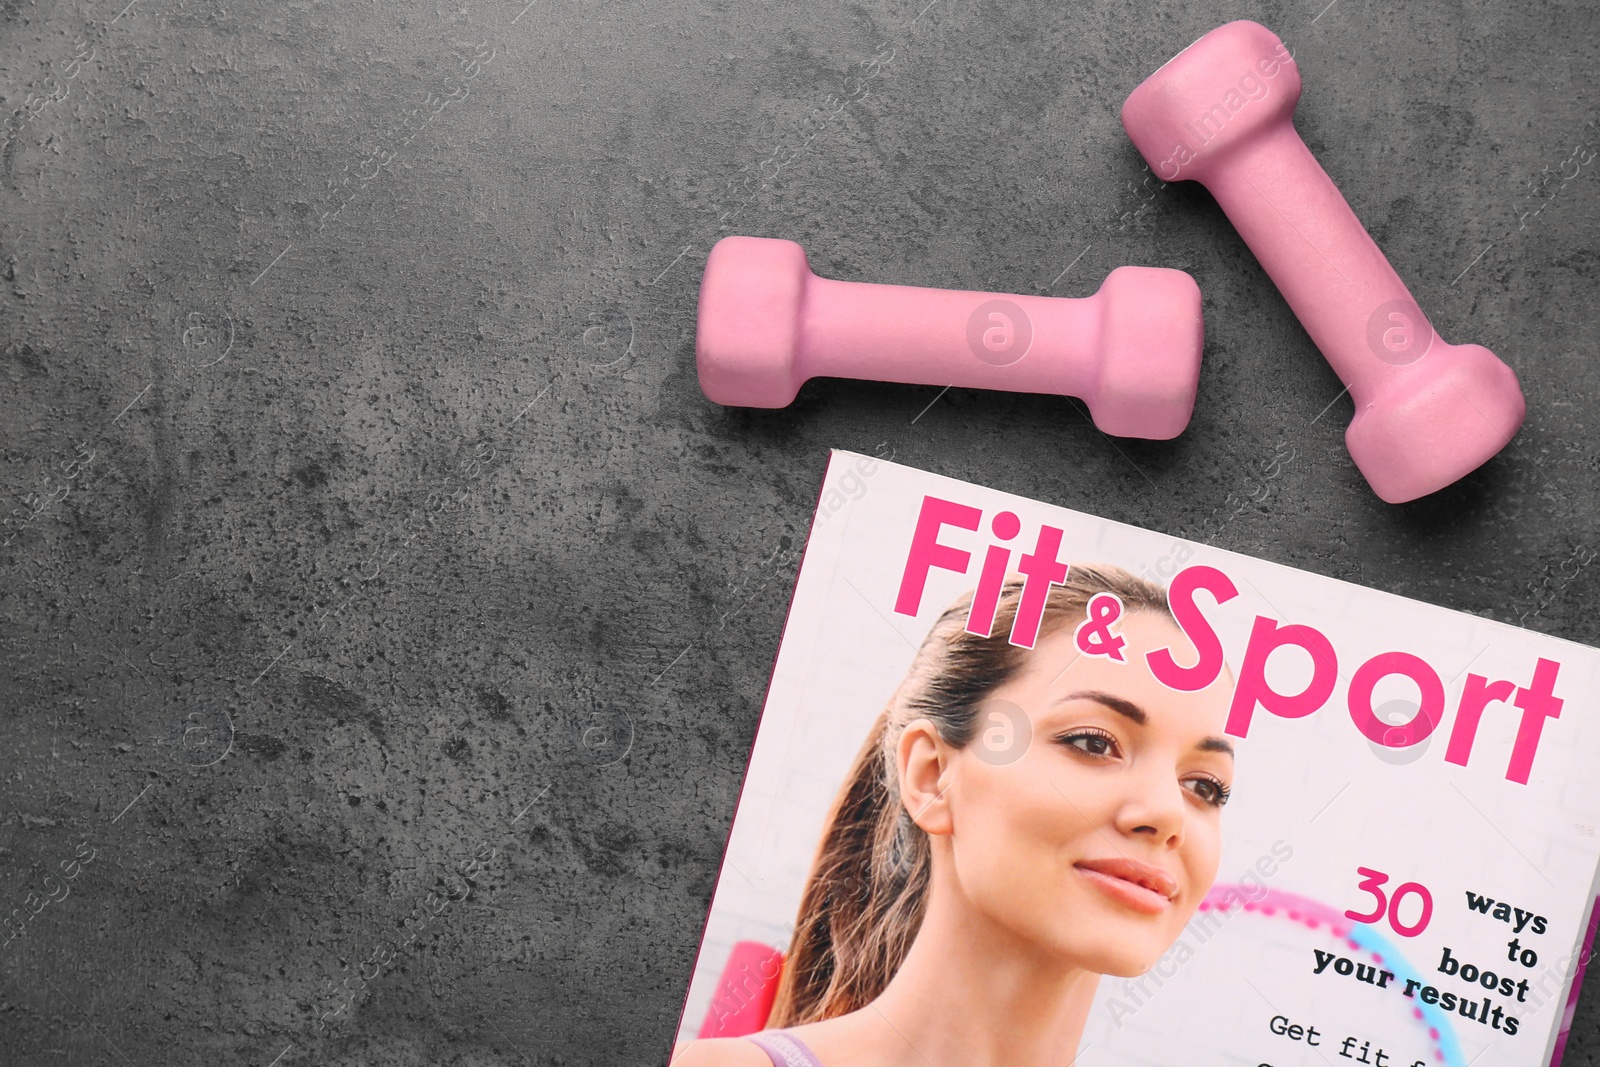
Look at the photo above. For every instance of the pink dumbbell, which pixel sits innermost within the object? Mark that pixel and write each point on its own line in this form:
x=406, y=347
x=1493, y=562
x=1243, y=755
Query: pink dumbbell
x=1220, y=113
x=767, y=324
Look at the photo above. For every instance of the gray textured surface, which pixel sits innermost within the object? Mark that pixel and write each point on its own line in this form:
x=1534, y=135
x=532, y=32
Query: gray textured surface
x=414, y=515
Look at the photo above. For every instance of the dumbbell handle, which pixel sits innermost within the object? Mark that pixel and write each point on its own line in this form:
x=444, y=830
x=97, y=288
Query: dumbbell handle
x=1321, y=257
x=923, y=336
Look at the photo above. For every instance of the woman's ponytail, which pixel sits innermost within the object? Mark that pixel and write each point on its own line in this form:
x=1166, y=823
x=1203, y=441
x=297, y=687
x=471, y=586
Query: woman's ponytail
x=863, y=903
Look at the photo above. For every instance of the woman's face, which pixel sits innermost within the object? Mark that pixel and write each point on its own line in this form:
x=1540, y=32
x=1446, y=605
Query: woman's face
x=1099, y=840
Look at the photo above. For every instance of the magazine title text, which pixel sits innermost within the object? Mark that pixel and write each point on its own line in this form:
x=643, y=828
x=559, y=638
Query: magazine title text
x=1043, y=567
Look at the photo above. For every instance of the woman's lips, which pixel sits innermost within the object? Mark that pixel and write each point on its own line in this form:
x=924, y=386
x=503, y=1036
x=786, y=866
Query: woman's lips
x=1136, y=885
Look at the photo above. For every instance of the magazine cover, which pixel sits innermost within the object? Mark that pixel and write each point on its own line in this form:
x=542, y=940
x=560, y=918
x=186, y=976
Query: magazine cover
x=1034, y=787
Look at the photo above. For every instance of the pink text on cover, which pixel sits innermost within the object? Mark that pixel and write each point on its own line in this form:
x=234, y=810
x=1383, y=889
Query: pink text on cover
x=1042, y=567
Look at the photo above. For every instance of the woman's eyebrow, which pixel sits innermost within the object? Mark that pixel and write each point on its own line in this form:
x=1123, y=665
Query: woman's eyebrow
x=1126, y=708
x=1134, y=713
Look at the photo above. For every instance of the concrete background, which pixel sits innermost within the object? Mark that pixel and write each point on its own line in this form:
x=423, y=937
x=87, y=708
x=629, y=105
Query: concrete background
x=374, y=553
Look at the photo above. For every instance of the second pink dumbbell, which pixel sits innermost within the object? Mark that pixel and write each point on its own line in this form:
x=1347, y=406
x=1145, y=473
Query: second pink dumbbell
x=1220, y=113
x=767, y=324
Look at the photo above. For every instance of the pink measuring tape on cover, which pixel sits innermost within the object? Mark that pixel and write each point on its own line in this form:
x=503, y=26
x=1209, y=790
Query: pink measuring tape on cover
x=1427, y=412
x=767, y=324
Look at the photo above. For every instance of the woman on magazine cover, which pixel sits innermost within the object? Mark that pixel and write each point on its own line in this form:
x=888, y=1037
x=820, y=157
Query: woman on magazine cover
x=1018, y=823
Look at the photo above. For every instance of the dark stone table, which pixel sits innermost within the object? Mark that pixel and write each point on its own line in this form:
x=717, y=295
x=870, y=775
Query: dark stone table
x=387, y=613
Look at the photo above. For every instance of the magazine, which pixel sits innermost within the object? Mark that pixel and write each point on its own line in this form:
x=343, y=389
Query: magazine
x=1031, y=786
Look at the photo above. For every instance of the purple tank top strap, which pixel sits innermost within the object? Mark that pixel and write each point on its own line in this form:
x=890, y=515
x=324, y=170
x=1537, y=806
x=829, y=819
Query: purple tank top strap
x=784, y=1049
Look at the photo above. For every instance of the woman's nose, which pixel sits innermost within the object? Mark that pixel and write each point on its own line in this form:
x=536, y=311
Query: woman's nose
x=1153, y=808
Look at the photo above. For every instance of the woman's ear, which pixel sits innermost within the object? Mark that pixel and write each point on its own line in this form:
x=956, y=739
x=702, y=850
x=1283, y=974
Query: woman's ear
x=921, y=761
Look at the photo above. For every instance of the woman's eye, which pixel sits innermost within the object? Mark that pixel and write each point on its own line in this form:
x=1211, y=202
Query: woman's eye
x=1092, y=744
x=1209, y=790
